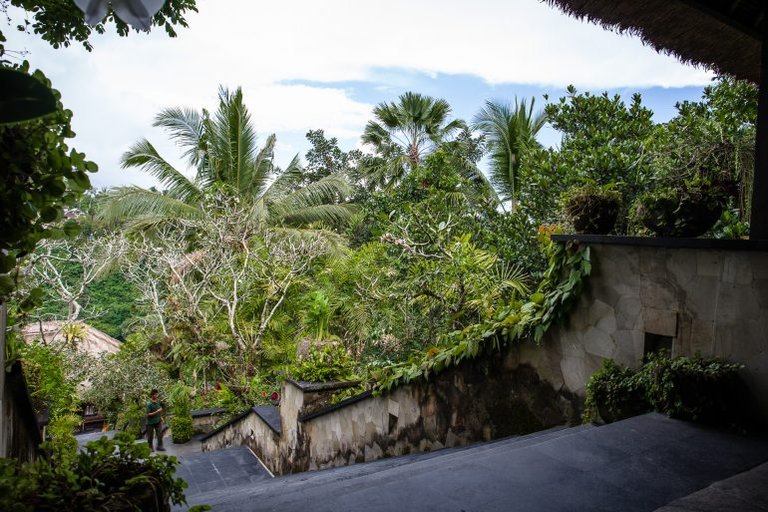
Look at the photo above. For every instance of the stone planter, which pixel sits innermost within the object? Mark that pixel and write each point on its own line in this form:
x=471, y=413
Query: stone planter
x=679, y=213
x=592, y=209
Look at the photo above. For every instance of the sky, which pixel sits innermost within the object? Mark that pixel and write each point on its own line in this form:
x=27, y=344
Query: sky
x=324, y=65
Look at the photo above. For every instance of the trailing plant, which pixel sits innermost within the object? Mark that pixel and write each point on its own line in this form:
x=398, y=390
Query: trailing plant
x=326, y=364
x=109, y=474
x=515, y=322
x=691, y=388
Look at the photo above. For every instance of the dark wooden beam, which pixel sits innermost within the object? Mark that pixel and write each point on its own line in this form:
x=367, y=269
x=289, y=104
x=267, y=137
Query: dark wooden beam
x=759, y=215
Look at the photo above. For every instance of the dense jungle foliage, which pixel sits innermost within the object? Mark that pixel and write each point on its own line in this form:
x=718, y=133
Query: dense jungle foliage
x=383, y=265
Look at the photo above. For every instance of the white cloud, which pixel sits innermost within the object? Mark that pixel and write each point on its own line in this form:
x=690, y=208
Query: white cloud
x=116, y=90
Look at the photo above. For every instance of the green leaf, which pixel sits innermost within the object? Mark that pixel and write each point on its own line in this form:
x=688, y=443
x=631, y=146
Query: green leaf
x=71, y=228
x=6, y=285
x=24, y=98
x=7, y=263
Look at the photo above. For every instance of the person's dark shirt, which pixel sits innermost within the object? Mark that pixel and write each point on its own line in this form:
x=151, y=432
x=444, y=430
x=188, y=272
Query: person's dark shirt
x=157, y=418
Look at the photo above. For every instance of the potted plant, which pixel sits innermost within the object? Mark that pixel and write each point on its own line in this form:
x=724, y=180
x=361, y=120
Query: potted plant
x=592, y=208
x=689, y=209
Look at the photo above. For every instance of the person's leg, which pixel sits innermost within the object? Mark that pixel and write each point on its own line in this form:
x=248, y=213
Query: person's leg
x=159, y=432
x=150, y=436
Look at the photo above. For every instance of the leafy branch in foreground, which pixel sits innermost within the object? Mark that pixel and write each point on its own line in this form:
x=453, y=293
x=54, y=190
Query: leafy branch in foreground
x=110, y=474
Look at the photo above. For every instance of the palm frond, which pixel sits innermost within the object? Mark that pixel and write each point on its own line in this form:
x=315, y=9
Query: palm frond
x=185, y=127
x=144, y=156
x=123, y=203
x=262, y=169
x=509, y=131
x=284, y=182
x=325, y=214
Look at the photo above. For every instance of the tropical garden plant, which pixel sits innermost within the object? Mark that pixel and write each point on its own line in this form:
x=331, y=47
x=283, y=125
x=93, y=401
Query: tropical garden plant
x=221, y=148
x=510, y=132
x=403, y=133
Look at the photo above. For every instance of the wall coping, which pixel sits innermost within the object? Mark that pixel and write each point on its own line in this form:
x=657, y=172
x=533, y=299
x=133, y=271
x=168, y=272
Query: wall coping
x=198, y=413
x=335, y=407
x=270, y=415
x=666, y=242
x=309, y=387
x=258, y=410
x=227, y=424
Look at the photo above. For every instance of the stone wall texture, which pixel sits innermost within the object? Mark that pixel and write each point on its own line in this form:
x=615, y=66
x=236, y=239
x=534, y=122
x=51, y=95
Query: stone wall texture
x=710, y=302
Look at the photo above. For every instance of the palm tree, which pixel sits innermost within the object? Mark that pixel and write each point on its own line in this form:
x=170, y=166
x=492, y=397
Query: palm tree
x=509, y=130
x=404, y=132
x=222, y=150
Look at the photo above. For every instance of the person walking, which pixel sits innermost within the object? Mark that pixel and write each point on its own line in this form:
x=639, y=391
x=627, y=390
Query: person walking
x=155, y=421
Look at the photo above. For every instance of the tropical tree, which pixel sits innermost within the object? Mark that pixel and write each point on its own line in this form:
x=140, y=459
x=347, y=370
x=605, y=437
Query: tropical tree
x=404, y=132
x=510, y=130
x=222, y=150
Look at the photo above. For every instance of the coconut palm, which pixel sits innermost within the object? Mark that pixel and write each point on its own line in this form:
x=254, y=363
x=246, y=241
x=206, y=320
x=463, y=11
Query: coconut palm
x=222, y=150
x=404, y=132
x=510, y=130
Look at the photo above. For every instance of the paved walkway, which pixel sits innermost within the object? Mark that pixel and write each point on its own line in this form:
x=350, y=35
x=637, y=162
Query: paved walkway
x=745, y=492
x=178, y=450
x=639, y=464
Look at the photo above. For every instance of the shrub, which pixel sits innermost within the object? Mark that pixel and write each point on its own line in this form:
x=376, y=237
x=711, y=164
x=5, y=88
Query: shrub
x=687, y=210
x=326, y=364
x=181, y=429
x=181, y=407
x=131, y=419
x=614, y=393
x=697, y=389
x=109, y=474
x=705, y=390
x=61, y=430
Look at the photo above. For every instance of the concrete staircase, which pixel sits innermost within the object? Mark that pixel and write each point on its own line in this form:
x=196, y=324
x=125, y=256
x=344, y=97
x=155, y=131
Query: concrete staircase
x=638, y=464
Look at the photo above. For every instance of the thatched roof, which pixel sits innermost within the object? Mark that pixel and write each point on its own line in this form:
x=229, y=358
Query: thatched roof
x=724, y=35
x=94, y=342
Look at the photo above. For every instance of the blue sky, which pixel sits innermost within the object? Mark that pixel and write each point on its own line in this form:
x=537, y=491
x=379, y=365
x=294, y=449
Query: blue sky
x=306, y=65
x=468, y=93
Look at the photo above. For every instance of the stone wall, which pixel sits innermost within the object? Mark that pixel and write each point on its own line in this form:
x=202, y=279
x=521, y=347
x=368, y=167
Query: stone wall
x=204, y=420
x=703, y=297
x=490, y=397
x=697, y=296
x=481, y=400
x=249, y=429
